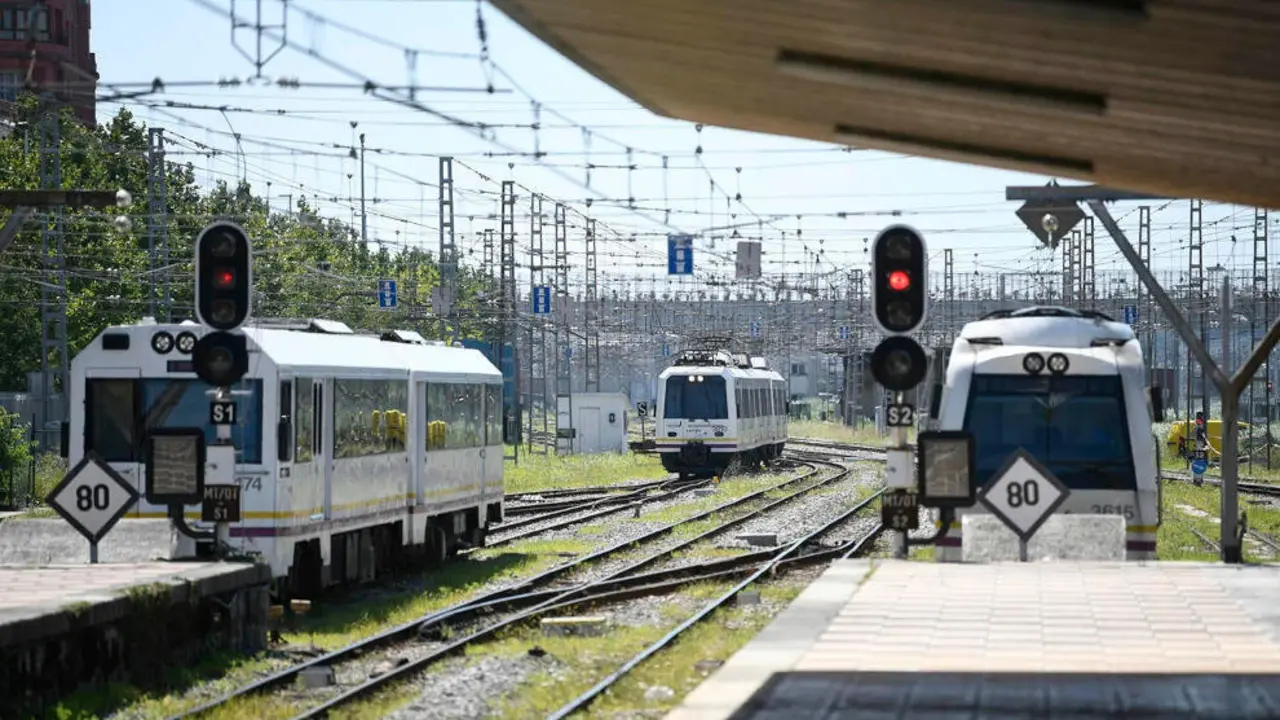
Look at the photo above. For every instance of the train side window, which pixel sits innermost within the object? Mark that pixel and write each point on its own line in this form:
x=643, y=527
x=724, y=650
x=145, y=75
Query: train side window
x=318, y=442
x=111, y=419
x=493, y=413
x=284, y=433
x=304, y=420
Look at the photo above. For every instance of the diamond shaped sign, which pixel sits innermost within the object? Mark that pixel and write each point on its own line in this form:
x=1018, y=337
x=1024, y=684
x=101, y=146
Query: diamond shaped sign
x=1024, y=494
x=1032, y=214
x=92, y=497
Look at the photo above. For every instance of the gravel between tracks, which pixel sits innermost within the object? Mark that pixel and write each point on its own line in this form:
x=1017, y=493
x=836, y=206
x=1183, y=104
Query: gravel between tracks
x=466, y=687
x=805, y=514
x=473, y=687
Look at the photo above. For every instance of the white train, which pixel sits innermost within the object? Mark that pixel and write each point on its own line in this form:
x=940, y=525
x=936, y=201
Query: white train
x=715, y=407
x=354, y=452
x=1070, y=387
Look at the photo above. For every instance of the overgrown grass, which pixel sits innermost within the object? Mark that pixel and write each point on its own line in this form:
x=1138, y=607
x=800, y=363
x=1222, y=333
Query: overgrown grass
x=1262, y=516
x=103, y=701
x=585, y=660
x=1175, y=539
x=546, y=472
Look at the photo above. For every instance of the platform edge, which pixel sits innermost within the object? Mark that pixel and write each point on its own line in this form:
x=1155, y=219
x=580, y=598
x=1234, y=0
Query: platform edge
x=111, y=604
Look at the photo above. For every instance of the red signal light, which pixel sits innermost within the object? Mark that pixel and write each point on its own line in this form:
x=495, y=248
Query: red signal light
x=224, y=278
x=899, y=280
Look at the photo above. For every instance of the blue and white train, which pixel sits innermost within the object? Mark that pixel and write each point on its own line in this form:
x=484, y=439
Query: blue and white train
x=353, y=452
x=715, y=408
x=1070, y=388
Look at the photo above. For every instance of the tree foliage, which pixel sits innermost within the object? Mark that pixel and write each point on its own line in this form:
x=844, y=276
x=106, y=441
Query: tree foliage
x=305, y=266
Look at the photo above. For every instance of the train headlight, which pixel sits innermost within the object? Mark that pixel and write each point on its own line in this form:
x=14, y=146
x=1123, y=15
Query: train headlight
x=162, y=342
x=1058, y=363
x=186, y=343
x=1033, y=363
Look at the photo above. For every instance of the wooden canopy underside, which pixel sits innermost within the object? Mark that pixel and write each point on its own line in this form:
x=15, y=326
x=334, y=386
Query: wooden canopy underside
x=1169, y=97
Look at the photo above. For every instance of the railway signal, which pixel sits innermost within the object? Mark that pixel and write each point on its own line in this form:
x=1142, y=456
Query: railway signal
x=900, y=305
x=900, y=269
x=224, y=301
x=224, y=276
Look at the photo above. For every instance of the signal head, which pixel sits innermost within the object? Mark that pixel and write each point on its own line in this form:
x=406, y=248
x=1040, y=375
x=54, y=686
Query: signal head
x=224, y=276
x=899, y=268
x=221, y=359
x=899, y=363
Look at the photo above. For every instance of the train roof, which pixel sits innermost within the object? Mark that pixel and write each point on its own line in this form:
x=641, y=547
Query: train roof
x=331, y=351
x=1046, y=326
x=720, y=370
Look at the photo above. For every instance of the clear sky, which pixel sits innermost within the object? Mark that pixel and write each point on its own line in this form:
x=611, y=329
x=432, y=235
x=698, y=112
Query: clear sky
x=791, y=191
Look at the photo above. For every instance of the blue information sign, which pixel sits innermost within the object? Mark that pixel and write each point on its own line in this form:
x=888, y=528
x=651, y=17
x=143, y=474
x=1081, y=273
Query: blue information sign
x=387, y=298
x=679, y=254
x=542, y=300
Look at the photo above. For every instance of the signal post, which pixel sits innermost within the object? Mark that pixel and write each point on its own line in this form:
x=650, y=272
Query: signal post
x=942, y=474
x=899, y=298
x=224, y=302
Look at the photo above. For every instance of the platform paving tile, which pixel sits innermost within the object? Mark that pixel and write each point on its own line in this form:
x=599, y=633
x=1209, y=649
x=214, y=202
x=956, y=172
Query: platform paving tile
x=882, y=651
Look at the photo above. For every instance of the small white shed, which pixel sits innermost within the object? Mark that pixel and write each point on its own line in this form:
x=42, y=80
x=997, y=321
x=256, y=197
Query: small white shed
x=595, y=423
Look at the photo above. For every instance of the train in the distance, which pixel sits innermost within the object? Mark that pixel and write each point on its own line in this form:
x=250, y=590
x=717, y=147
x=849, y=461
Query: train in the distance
x=1070, y=387
x=354, y=453
x=716, y=408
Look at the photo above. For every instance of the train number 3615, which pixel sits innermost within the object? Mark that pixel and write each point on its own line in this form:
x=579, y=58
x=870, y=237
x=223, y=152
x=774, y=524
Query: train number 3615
x=1126, y=510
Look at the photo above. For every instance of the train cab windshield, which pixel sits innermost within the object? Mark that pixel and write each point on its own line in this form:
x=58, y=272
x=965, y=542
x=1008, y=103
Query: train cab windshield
x=119, y=411
x=695, y=397
x=1075, y=425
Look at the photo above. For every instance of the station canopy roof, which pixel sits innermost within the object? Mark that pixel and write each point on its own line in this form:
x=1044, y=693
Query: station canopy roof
x=1176, y=98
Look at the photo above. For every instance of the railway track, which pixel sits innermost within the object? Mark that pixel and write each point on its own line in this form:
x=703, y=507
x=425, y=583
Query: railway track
x=1250, y=485
x=793, y=553
x=594, y=510
x=540, y=594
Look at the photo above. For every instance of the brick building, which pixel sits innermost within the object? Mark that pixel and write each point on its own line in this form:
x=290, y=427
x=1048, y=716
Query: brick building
x=45, y=45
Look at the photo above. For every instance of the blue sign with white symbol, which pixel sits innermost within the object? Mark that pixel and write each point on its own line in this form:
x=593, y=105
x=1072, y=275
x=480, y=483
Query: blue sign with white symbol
x=387, y=297
x=666, y=350
x=542, y=300
x=755, y=328
x=679, y=254
x=844, y=332
x=1199, y=465
x=1131, y=314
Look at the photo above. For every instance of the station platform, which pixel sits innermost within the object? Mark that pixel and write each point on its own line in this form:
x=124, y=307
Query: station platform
x=922, y=640
x=62, y=626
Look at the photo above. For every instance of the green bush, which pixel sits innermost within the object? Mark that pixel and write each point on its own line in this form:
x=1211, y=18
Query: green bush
x=15, y=447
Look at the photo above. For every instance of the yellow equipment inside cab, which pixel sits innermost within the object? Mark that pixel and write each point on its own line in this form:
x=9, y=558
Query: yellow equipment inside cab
x=436, y=435
x=1181, y=432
